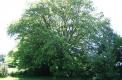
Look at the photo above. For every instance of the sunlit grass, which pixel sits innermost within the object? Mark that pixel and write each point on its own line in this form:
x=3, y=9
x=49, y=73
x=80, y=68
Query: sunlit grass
x=9, y=78
x=38, y=78
x=11, y=70
x=24, y=78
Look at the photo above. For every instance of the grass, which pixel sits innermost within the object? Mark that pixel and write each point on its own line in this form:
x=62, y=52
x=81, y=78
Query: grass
x=9, y=78
x=11, y=70
x=24, y=78
x=34, y=78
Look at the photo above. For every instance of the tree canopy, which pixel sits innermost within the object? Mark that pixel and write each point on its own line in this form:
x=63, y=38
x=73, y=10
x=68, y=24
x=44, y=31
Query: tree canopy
x=64, y=38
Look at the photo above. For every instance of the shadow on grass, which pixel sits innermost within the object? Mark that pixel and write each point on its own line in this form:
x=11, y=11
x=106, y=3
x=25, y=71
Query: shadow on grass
x=47, y=78
x=21, y=77
x=33, y=78
x=29, y=76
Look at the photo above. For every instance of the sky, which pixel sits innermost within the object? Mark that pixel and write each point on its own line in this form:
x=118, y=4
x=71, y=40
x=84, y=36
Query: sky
x=113, y=10
x=11, y=10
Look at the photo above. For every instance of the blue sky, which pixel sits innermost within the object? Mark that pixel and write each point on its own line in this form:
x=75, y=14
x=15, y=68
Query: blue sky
x=10, y=10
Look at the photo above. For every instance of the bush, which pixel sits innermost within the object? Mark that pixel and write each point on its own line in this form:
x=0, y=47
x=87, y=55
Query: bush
x=3, y=70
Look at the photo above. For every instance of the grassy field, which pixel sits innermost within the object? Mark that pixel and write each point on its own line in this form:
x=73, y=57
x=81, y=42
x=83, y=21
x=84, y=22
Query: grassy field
x=25, y=78
x=36, y=78
x=14, y=78
x=10, y=70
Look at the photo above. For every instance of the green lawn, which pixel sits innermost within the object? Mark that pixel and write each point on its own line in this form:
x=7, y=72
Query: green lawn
x=24, y=78
x=9, y=78
x=10, y=70
x=35, y=78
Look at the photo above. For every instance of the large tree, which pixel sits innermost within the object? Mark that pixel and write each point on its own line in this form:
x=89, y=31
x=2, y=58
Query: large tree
x=57, y=36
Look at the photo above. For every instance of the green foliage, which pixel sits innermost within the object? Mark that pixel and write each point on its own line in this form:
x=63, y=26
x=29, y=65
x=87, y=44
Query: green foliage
x=9, y=59
x=64, y=38
x=3, y=70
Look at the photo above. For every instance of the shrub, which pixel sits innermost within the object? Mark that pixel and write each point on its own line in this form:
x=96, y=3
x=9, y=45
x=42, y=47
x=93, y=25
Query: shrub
x=3, y=70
